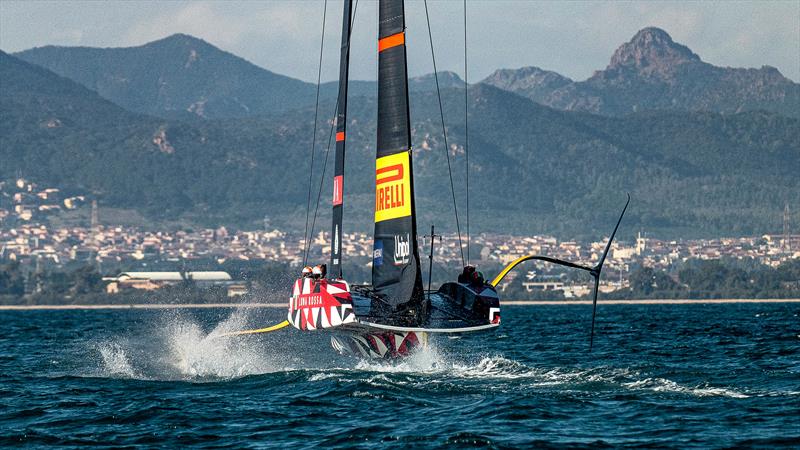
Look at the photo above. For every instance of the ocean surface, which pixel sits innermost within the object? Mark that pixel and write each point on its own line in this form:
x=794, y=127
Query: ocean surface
x=674, y=376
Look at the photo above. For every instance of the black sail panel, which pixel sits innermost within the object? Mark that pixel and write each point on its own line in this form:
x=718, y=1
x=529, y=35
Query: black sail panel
x=395, y=267
x=341, y=126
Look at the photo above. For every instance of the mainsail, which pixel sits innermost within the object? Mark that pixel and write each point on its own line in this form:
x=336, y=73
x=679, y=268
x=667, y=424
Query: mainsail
x=341, y=125
x=395, y=265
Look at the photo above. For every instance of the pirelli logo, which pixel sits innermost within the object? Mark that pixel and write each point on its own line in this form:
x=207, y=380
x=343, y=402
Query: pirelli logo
x=392, y=187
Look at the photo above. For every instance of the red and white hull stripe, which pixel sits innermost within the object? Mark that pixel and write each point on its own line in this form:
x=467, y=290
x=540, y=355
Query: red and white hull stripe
x=320, y=304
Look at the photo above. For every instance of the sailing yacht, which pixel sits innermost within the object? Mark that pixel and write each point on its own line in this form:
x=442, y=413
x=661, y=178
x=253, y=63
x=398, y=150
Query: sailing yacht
x=394, y=315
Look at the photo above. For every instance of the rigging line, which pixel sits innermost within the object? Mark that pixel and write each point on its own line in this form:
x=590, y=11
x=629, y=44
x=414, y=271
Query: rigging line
x=306, y=237
x=330, y=133
x=466, y=124
x=322, y=178
x=444, y=132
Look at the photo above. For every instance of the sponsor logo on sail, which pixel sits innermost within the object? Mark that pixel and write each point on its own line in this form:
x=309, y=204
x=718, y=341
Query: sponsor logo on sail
x=402, y=249
x=392, y=187
x=337, y=190
x=377, y=253
x=336, y=239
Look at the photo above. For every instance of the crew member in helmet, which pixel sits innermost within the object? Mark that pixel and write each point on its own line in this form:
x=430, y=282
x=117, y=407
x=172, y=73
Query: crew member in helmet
x=316, y=272
x=306, y=271
x=477, y=279
x=472, y=277
x=465, y=277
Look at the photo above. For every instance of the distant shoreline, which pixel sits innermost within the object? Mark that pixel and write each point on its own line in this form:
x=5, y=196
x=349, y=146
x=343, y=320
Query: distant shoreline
x=506, y=303
x=659, y=301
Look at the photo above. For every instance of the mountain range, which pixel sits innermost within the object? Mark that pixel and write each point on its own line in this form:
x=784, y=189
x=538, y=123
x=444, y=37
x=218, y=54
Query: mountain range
x=180, y=129
x=652, y=72
x=181, y=75
x=176, y=75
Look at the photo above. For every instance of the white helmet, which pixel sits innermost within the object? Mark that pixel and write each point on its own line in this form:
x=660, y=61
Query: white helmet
x=306, y=271
x=317, y=271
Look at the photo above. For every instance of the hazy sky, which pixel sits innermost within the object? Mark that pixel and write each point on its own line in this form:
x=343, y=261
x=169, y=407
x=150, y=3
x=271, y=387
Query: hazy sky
x=573, y=38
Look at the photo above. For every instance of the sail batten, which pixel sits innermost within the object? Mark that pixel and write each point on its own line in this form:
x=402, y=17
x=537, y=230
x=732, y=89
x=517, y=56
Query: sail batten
x=396, y=272
x=341, y=128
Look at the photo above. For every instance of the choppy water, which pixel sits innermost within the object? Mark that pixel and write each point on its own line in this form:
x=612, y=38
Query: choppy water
x=660, y=375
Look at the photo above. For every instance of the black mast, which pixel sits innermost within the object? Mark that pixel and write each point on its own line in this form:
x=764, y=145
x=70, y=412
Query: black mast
x=341, y=125
x=396, y=274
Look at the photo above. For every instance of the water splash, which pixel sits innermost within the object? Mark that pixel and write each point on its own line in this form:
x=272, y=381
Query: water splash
x=195, y=353
x=179, y=349
x=423, y=361
x=115, y=361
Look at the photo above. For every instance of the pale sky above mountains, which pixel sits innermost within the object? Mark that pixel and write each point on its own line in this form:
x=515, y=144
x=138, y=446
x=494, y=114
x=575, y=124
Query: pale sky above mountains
x=572, y=38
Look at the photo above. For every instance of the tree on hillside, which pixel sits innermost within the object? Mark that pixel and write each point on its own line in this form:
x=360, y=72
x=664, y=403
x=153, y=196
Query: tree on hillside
x=12, y=280
x=646, y=281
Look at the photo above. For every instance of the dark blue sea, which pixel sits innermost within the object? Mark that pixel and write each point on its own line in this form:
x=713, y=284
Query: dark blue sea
x=671, y=376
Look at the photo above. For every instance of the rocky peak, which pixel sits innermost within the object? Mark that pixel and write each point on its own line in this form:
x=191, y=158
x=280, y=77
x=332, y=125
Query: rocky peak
x=525, y=77
x=179, y=39
x=532, y=82
x=447, y=80
x=182, y=44
x=651, y=50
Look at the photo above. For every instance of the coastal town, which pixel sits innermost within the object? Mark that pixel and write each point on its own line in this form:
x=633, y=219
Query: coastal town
x=25, y=237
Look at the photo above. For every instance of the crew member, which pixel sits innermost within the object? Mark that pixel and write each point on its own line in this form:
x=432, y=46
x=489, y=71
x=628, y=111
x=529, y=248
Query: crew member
x=472, y=277
x=477, y=279
x=466, y=275
x=306, y=271
x=316, y=272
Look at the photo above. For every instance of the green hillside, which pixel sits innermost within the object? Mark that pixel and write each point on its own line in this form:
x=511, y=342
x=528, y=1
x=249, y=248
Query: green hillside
x=178, y=76
x=534, y=169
